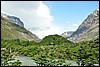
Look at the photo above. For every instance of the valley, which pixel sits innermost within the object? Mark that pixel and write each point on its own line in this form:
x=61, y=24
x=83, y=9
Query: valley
x=73, y=48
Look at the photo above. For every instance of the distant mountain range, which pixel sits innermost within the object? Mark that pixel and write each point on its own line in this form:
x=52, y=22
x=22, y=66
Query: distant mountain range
x=88, y=30
x=13, y=28
x=67, y=34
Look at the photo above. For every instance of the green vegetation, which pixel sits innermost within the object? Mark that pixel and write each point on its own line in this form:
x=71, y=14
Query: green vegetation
x=7, y=54
x=55, y=40
x=88, y=53
x=53, y=50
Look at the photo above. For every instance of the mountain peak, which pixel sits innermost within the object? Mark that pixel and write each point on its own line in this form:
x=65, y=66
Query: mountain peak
x=89, y=29
x=14, y=19
x=67, y=34
x=97, y=9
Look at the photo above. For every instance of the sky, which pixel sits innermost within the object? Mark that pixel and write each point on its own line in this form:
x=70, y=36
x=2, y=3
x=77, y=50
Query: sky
x=45, y=18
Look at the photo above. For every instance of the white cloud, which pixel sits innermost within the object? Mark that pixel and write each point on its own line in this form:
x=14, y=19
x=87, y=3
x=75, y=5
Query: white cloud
x=44, y=32
x=35, y=15
x=72, y=27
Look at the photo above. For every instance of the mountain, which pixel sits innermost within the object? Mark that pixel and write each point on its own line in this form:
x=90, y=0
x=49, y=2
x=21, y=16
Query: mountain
x=14, y=30
x=13, y=19
x=88, y=30
x=67, y=34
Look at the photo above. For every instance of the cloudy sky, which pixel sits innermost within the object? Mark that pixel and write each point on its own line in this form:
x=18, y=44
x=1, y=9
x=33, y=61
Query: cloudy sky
x=49, y=17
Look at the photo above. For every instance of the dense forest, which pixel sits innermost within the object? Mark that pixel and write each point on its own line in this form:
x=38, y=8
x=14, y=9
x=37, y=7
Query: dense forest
x=53, y=50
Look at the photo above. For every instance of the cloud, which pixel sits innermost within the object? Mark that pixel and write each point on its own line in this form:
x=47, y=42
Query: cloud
x=72, y=27
x=35, y=15
x=45, y=32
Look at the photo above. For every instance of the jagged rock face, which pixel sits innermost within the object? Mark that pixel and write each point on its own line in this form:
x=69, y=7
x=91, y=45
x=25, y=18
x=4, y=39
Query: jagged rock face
x=13, y=19
x=88, y=30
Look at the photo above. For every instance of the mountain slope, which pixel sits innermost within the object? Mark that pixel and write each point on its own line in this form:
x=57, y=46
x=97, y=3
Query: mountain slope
x=88, y=30
x=10, y=30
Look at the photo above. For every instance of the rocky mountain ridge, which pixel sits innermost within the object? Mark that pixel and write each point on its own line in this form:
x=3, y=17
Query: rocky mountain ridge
x=14, y=19
x=89, y=29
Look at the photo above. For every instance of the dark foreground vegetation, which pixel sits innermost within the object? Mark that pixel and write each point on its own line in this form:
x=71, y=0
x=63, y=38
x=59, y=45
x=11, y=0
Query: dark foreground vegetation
x=53, y=50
